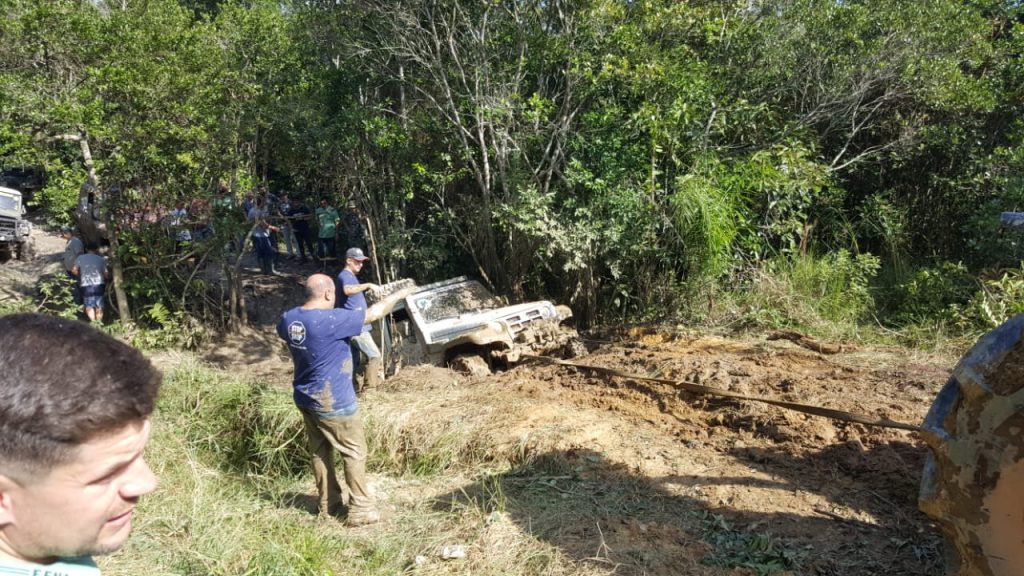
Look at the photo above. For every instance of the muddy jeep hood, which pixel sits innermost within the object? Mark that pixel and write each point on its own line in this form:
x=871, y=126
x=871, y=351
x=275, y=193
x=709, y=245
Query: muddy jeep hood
x=460, y=310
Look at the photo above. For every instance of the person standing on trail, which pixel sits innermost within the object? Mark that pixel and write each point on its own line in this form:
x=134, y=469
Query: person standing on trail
x=351, y=297
x=317, y=336
x=327, y=219
x=75, y=406
x=72, y=250
x=284, y=208
x=261, y=240
x=355, y=232
x=92, y=273
x=299, y=215
x=179, y=226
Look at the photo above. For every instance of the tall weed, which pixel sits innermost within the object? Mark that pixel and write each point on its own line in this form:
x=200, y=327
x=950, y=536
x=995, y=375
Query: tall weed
x=996, y=301
x=250, y=428
x=822, y=293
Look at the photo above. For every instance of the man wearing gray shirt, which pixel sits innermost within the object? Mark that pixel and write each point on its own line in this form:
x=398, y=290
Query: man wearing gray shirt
x=91, y=269
x=72, y=250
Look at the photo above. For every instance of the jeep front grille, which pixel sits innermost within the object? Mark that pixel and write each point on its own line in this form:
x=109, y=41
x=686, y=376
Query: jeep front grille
x=517, y=322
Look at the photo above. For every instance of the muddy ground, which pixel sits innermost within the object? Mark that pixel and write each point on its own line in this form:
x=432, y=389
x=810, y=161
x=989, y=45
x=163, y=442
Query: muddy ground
x=659, y=481
x=632, y=477
x=643, y=478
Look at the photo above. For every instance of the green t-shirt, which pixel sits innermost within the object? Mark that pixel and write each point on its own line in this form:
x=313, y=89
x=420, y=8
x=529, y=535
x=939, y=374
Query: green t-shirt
x=327, y=219
x=81, y=566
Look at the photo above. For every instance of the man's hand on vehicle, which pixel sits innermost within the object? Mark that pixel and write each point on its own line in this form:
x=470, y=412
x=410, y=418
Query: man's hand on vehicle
x=385, y=306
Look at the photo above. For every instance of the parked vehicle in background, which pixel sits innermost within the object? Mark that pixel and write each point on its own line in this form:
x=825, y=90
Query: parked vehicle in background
x=459, y=323
x=23, y=179
x=15, y=231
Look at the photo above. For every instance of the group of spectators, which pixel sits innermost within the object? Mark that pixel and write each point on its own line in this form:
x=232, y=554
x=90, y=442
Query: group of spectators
x=307, y=231
x=278, y=218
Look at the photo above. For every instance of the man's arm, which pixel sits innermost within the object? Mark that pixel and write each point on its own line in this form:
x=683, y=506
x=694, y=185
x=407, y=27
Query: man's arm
x=352, y=289
x=384, y=307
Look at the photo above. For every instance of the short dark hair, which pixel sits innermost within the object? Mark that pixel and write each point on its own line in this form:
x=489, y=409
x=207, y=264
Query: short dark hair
x=64, y=383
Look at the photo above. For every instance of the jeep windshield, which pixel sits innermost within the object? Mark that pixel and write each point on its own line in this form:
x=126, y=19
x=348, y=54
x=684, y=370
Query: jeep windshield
x=10, y=203
x=454, y=301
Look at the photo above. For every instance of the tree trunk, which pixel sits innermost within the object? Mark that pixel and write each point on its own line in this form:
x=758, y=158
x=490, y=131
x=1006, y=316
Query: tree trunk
x=117, y=269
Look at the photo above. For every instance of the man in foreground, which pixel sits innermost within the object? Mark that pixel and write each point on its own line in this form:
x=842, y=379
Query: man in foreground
x=352, y=298
x=74, y=418
x=317, y=335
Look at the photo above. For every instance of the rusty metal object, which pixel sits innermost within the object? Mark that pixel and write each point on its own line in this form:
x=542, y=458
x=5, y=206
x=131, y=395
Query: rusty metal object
x=973, y=477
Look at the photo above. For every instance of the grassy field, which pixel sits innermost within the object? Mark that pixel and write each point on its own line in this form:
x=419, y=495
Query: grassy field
x=236, y=494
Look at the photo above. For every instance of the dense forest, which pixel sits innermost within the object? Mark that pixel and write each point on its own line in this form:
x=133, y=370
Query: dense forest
x=797, y=163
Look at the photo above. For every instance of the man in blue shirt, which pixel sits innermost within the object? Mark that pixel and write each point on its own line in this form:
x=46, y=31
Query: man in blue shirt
x=351, y=297
x=317, y=335
x=74, y=419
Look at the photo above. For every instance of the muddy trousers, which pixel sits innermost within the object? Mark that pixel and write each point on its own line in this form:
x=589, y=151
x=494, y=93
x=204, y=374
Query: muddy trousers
x=344, y=434
x=374, y=369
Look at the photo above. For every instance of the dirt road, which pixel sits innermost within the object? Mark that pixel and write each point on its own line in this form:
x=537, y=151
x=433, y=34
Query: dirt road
x=667, y=481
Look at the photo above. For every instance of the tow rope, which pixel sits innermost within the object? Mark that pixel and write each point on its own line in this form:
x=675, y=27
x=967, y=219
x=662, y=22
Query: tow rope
x=711, y=391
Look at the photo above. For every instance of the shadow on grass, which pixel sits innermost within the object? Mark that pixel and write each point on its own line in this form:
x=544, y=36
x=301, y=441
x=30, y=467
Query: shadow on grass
x=298, y=500
x=602, y=513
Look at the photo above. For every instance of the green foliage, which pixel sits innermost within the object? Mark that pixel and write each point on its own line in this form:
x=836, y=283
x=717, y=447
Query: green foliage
x=622, y=157
x=933, y=293
x=424, y=451
x=812, y=292
x=998, y=300
x=248, y=428
x=708, y=218
x=758, y=552
x=15, y=307
x=170, y=329
x=59, y=197
x=885, y=223
x=56, y=297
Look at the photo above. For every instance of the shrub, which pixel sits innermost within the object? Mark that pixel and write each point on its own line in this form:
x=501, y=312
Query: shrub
x=996, y=301
x=933, y=293
x=811, y=291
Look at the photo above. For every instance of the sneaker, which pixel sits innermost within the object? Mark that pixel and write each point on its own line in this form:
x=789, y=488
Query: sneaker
x=357, y=519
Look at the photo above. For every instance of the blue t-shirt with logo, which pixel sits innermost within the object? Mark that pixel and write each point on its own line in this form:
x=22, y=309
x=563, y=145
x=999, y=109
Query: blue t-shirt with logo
x=318, y=341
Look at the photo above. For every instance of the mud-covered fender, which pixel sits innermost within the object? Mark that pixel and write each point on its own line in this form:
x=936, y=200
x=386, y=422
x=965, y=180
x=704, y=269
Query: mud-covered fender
x=494, y=335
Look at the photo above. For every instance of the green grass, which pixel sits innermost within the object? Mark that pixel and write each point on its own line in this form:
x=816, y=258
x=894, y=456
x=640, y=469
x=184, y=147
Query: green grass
x=236, y=494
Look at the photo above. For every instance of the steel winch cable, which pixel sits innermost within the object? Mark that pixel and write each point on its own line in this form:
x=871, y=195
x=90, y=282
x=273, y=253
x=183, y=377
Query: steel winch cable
x=711, y=391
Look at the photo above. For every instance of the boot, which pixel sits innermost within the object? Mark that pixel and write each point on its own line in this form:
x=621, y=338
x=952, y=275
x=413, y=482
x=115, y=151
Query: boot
x=374, y=373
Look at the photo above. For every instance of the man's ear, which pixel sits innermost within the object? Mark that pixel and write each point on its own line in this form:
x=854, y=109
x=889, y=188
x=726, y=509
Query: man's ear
x=7, y=488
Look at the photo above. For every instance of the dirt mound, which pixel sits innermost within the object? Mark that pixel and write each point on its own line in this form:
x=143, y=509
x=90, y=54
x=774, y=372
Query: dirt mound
x=845, y=491
x=645, y=478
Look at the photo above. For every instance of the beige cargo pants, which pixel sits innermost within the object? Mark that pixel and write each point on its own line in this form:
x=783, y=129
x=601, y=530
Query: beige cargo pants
x=344, y=434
